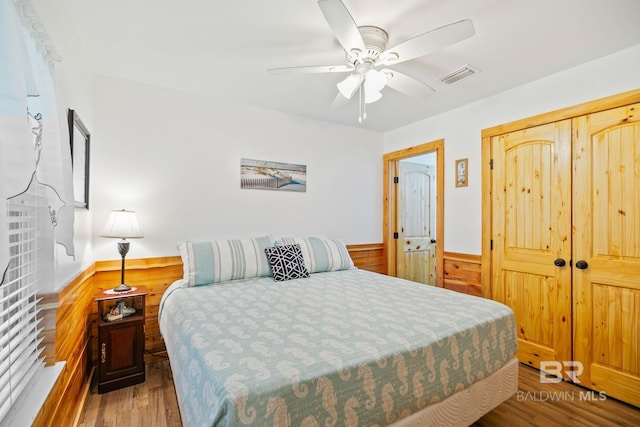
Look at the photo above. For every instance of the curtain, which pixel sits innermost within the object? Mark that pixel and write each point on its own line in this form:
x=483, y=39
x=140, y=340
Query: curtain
x=34, y=148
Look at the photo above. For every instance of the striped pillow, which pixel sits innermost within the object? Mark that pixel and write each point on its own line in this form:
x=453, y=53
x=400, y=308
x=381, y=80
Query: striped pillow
x=222, y=260
x=320, y=254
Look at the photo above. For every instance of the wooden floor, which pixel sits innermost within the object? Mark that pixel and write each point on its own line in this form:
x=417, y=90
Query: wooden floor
x=154, y=404
x=150, y=404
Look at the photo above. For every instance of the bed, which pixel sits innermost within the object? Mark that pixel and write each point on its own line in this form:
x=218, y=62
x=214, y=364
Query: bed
x=328, y=345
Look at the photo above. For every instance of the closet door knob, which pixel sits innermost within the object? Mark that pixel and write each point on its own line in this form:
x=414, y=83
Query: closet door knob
x=582, y=264
x=560, y=262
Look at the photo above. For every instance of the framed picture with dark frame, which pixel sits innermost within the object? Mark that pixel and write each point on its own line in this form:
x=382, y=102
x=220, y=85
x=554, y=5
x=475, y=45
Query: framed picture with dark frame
x=79, y=138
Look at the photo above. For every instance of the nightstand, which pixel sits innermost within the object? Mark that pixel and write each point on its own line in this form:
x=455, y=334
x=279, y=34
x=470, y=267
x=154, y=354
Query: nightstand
x=120, y=338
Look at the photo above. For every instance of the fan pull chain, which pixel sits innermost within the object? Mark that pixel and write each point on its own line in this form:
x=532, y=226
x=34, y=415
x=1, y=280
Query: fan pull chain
x=362, y=106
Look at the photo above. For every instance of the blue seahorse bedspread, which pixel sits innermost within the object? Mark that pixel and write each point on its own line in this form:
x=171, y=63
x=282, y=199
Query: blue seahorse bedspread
x=340, y=348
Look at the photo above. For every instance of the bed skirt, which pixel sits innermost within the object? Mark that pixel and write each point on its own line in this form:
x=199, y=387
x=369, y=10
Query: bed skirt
x=469, y=405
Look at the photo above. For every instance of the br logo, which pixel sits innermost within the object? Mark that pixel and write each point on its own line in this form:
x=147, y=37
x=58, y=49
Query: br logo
x=551, y=371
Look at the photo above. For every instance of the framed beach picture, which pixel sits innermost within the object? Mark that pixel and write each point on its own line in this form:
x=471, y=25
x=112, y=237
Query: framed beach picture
x=269, y=175
x=462, y=177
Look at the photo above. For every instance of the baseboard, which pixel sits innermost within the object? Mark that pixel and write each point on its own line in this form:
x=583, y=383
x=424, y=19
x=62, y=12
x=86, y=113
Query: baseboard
x=84, y=397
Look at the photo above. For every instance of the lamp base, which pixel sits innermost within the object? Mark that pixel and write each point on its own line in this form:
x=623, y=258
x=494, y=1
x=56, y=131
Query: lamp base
x=122, y=288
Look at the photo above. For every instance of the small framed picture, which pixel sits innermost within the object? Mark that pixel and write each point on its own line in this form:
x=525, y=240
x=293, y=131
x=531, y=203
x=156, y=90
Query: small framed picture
x=268, y=175
x=79, y=139
x=462, y=177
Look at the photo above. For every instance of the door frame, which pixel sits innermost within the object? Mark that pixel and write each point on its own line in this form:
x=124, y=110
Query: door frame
x=601, y=104
x=390, y=205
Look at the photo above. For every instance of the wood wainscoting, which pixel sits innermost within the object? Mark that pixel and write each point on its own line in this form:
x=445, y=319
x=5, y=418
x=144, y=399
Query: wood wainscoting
x=462, y=273
x=368, y=257
x=70, y=323
x=67, y=338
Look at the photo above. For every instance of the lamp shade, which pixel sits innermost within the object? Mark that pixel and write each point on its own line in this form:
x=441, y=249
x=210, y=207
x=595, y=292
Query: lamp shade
x=122, y=224
x=370, y=97
x=348, y=86
x=375, y=80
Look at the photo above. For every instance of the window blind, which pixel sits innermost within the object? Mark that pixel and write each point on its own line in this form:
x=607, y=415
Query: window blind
x=20, y=360
x=36, y=197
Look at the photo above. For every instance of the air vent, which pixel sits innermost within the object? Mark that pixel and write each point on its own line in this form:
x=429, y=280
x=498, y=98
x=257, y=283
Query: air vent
x=459, y=74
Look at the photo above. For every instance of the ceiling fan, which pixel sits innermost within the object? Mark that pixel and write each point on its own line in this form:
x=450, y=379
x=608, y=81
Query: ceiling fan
x=367, y=55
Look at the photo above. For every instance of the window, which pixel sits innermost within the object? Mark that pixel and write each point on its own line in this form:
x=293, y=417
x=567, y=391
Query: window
x=35, y=187
x=20, y=360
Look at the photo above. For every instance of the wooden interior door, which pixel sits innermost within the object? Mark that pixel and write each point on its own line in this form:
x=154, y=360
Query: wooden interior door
x=531, y=237
x=606, y=239
x=416, y=228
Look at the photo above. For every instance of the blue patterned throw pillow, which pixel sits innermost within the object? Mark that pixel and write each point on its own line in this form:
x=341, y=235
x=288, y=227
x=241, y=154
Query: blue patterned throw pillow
x=286, y=262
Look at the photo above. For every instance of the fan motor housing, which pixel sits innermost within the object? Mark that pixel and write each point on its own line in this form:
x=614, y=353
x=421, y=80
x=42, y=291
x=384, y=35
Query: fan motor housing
x=375, y=41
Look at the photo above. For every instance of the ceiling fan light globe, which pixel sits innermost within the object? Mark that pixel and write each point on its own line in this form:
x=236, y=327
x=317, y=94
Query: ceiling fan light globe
x=375, y=80
x=371, y=96
x=348, y=86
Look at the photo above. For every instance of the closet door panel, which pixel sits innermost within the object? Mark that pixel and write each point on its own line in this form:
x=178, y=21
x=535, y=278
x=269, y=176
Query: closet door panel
x=531, y=231
x=606, y=209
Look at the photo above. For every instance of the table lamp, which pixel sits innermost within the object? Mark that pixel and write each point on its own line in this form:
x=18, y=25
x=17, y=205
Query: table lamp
x=123, y=225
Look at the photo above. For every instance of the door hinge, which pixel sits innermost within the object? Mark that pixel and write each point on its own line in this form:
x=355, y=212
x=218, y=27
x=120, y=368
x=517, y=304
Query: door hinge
x=491, y=164
x=395, y=235
x=491, y=244
x=395, y=180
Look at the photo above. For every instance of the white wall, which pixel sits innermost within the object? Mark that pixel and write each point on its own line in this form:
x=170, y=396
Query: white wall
x=73, y=90
x=174, y=158
x=461, y=130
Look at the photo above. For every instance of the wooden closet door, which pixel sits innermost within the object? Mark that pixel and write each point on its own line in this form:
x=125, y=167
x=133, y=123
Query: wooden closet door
x=531, y=231
x=606, y=208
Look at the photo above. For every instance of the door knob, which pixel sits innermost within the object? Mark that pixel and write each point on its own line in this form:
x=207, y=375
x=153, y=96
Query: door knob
x=560, y=262
x=582, y=264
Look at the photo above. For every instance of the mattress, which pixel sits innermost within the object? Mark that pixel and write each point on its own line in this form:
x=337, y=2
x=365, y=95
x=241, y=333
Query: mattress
x=347, y=347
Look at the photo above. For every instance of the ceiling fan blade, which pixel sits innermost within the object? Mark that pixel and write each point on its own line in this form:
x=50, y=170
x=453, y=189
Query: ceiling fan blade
x=339, y=101
x=343, y=26
x=311, y=70
x=407, y=85
x=428, y=42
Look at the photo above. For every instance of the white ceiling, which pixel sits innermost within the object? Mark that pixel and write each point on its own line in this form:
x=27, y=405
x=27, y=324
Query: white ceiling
x=223, y=48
